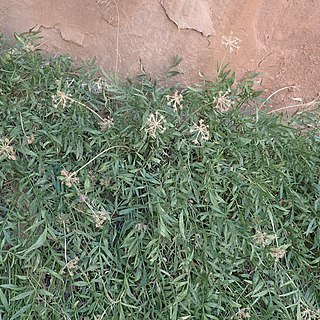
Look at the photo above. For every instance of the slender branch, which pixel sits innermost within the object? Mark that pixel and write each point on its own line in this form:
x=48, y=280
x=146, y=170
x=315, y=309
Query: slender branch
x=94, y=158
x=274, y=93
x=65, y=243
x=294, y=106
x=84, y=105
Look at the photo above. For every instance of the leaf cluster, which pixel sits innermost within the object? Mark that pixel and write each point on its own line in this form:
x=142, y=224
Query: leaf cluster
x=151, y=227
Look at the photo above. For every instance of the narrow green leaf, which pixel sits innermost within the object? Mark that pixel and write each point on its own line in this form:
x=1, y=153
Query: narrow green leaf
x=181, y=225
x=22, y=295
x=20, y=312
x=39, y=243
x=4, y=300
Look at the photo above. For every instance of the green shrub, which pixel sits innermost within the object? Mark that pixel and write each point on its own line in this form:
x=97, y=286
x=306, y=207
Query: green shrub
x=137, y=200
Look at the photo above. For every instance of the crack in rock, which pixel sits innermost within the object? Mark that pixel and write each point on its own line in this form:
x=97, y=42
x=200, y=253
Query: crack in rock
x=68, y=35
x=190, y=14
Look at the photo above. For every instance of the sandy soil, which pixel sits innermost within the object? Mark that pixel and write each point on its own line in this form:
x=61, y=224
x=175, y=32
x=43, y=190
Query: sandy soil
x=279, y=38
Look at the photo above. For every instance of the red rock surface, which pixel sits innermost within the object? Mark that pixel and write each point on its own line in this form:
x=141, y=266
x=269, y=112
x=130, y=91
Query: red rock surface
x=279, y=38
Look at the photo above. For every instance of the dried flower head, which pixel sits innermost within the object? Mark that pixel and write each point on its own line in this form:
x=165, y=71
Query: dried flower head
x=71, y=265
x=7, y=149
x=155, y=124
x=231, y=42
x=141, y=226
x=201, y=130
x=29, y=47
x=107, y=123
x=308, y=314
x=175, y=101
x=261, y=238
x=243, y=313
x=222, y=102
x=100, y=218
x=277, y=253
x=31, y=139
x=60, y=98
x=68, y=178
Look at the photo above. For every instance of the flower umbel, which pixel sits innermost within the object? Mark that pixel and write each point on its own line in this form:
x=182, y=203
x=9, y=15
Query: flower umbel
x=243, y=313
x=155, y=123
x=277, y=253
x=7, y=149
x=222, y=102
x=175, y=101
x=68, y=178
x=60, y=98
x=71, y=265
x=231, y=42
x=201, y=130
x=308, y=314
x=31, y=139
x=29, y=46
x=107, y=123
x=99, y=218
x=261, y=238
